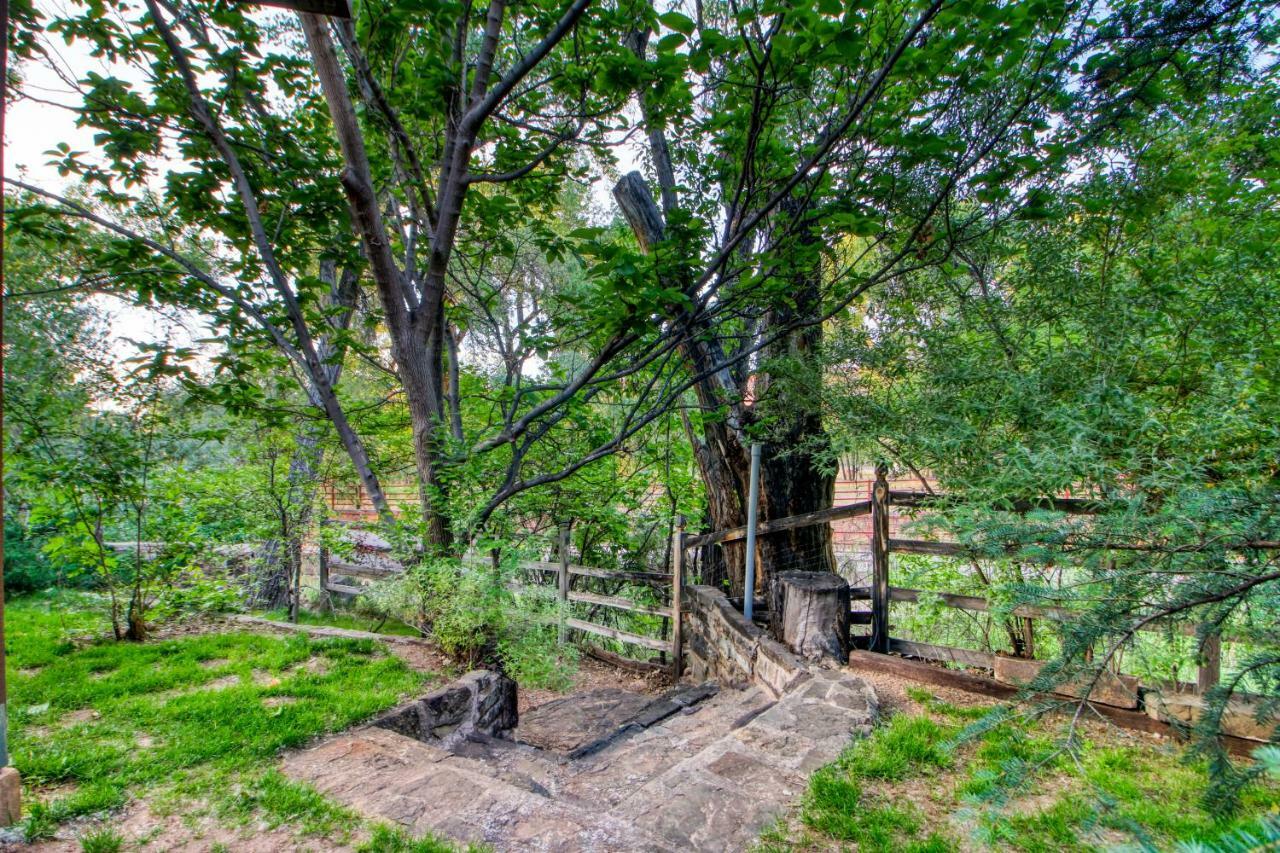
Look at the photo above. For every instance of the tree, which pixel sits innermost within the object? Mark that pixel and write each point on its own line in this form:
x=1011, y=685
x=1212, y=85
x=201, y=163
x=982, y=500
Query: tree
x=253, y=259
x=1114, y=350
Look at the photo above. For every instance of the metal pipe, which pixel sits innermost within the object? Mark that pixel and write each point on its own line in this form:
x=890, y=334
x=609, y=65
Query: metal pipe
x=753, y=499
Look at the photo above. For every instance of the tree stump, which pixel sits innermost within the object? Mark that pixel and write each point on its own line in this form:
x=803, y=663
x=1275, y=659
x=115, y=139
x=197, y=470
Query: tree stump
x=811, y=613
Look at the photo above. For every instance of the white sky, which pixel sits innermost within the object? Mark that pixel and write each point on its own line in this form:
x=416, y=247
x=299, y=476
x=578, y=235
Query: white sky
x=32, y=128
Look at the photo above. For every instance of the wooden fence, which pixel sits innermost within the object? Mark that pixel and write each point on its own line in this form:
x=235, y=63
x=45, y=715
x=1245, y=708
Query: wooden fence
x=568, y=578
x=882, y=595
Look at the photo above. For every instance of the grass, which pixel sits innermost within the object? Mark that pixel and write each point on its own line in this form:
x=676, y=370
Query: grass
x=194, y=723
x=917, y=785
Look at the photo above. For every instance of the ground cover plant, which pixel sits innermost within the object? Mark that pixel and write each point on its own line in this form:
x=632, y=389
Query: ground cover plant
x=193, y=722
x=934, y=777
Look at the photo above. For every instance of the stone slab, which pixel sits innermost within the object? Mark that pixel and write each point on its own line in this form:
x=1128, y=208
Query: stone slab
x=708, y=776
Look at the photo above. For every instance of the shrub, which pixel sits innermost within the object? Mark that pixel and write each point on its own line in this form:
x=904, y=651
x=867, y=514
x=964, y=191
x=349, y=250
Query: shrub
x=25, y=568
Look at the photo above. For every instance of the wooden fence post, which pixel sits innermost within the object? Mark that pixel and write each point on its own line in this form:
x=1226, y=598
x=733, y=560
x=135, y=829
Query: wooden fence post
x=880, y=561
x=562, y=576
x=677, y=588
x=326, y=602
x=1210, y=669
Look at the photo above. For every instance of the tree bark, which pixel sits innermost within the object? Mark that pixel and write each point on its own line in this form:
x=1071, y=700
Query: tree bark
x=792, y=476
x=792, y=481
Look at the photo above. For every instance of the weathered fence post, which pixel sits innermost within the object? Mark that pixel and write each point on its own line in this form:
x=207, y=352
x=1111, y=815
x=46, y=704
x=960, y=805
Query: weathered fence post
x=677, y=586
x=880, y=560
x=562, y=576
x=1210, y=664
x=323, y=568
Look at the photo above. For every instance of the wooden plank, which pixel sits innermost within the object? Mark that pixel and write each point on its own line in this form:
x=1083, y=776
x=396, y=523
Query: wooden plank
x=932, y=674
x=1072, y=506
x=615, y=634
x=343, y=588
x=921, y=546
x=1027, y=611
x=678, y=544
x=1210, y=669
x=639, y=577
x=859, y=593
x=342, y=567
x=540, y=566
x=929, y=651
x=562, y=581
x=835, y=513
x=621, y=662
x=618, y=603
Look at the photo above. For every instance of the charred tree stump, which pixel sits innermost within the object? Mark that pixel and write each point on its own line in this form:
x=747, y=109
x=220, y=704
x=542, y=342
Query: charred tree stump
x=811, y=613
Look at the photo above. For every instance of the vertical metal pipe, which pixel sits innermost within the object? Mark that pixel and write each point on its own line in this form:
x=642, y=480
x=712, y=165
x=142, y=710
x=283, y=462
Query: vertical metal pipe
x=562, y=581
x=753, y=499
x=677, y=598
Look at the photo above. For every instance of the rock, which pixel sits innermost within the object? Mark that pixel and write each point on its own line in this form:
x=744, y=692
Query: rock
x=481, y=702
x=579, y=725
x=1239, y=719
x=1120, y=691
x=811, y=613
x=10, y=796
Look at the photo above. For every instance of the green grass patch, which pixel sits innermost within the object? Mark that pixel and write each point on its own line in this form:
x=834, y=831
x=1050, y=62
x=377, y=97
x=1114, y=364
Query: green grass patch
x=1011, y=786
x=905, y=746
x=93, y=722
x=385, y=839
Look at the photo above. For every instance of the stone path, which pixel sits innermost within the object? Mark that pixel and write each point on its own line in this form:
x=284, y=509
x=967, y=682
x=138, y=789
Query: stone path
x=709, y=777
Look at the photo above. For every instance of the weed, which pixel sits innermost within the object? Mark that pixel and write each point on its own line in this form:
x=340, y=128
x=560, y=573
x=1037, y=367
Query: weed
x=40, y=823
x=907, y=745
x=384, y=839
x=102, y=841
x=281, y=801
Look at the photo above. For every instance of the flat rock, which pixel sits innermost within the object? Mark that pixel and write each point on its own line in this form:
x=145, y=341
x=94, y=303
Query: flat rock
x=569, y=724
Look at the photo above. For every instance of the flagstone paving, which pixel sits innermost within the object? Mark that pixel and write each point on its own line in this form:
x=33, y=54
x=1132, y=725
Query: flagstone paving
x=706, y=777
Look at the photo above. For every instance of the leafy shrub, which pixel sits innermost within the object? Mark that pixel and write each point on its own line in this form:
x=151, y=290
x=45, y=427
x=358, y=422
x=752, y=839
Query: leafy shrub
x=467, y=607
x=25, y=567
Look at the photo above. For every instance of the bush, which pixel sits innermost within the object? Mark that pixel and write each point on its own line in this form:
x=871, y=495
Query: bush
x=25, y=568
x=468, y=608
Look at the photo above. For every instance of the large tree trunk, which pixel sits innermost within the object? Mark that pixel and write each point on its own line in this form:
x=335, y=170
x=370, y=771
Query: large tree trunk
x=417, y=343
x=421, y=364
x=791, y=479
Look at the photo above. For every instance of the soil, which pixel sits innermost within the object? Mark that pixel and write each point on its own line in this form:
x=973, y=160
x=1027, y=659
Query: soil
x=592, y=675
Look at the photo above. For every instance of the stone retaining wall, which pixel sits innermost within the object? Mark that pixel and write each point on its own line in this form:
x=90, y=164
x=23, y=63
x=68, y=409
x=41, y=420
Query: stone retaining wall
x=721, y=644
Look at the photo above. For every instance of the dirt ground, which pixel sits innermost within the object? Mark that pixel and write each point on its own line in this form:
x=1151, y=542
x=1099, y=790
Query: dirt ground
x=593, y=674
